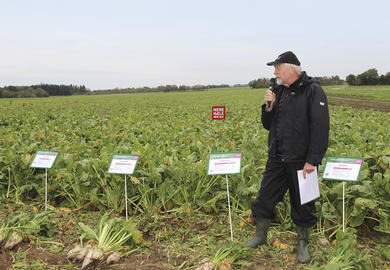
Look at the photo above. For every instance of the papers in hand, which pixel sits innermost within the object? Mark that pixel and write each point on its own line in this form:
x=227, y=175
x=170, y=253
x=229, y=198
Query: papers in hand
x=308, y=188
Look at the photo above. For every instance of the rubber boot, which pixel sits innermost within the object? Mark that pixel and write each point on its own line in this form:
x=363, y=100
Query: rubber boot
x=303, y=244
x=260, y=237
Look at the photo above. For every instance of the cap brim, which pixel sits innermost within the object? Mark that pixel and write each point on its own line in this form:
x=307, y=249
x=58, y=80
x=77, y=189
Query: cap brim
x=273, y=63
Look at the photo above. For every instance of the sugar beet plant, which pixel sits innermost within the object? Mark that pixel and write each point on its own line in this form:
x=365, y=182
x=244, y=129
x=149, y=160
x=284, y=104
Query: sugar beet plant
x=108, y=238
x=173, y=133
x=13, y=229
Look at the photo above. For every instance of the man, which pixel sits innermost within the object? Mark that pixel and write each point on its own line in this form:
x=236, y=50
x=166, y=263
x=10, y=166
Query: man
x=296, y=114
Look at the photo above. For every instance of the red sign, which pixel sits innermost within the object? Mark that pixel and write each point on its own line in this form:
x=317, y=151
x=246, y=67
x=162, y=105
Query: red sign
x=218, y=112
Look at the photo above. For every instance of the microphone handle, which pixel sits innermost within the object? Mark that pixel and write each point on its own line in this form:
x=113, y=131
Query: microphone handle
x=271, y=87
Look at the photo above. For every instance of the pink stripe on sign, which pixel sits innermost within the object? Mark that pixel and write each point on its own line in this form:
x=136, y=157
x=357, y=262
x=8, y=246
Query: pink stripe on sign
x=135, y=157
x=339, y=168
x=224, y=163
x=238, y=155
x=122, y=164
x=358, y=161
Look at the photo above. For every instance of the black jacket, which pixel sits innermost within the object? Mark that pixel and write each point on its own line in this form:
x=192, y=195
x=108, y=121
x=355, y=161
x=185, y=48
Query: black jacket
x=298, y=122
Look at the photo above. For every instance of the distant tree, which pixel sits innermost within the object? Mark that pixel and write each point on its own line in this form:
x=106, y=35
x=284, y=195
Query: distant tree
x=8, y=94
x=351, y=80
x=11, y=88
x=62, y=90
x=333, y=80
x=259, y=83
x=198, y=87
x=38, y=92
x=252, y=84
x=385, y=79
x=172, y=88
x=161, y=88
x=183, y=88
x=381, y=80
x=369, y=77
x=25, y=92
x=42, y=90
x=218, y=86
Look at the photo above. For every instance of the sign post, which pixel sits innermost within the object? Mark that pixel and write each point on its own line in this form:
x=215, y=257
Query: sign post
x=342, y=169
x=44, y=160
x=225, y=163
x=123, y=164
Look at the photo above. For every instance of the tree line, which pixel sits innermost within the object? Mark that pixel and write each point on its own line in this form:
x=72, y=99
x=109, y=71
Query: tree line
x=42, y=90
x=325, y=80
x=369, y=77
x=46, y=90
x=161, y=88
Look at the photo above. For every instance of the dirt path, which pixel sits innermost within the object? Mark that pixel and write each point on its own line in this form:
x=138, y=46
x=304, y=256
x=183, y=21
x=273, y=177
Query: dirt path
x=360, y=103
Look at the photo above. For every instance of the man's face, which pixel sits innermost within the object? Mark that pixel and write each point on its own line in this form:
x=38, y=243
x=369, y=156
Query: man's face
x=282, y=74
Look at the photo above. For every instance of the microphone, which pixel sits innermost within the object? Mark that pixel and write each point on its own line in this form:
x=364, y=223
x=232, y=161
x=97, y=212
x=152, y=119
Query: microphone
x=271, y=87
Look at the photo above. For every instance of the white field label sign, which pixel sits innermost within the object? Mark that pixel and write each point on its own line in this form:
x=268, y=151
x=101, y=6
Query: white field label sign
x=224, y=163
x=342, y=168
x=44, y=159
x=123, y=164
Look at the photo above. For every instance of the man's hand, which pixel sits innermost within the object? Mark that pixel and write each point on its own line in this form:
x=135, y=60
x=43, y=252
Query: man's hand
x=308, y=168
x=269, y=97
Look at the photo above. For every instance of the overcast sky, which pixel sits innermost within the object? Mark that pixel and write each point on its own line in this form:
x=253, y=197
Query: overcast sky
x=107, y=44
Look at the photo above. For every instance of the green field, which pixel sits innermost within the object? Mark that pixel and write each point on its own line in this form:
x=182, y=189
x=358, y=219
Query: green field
x=374, y=92
x=180, y=211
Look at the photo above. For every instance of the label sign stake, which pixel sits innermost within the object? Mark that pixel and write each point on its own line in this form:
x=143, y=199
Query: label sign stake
x=44, y=160
x=342, y=169
x=123, y=164
x=45, y=189
x=230, y=214
x=225, y=163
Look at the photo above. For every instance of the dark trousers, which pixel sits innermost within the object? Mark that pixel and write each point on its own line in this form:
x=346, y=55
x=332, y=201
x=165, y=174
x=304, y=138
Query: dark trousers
x=278, y=177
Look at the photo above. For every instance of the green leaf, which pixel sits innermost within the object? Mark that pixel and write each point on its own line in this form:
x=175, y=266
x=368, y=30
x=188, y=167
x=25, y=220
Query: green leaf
x=364, y=203
x=386, y=160
x=386, y=252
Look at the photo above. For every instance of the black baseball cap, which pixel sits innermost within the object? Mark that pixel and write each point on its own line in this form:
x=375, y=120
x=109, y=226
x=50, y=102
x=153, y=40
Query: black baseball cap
x=287, y=57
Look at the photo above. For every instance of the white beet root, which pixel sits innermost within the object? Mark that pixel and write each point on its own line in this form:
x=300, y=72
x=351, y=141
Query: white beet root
x=83, y=253
x=94, y=255
x=14, y=240
x=113, y=257
x=72, y=254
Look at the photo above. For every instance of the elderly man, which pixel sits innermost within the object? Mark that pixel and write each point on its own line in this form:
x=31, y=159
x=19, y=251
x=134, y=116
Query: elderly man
x=296, y=114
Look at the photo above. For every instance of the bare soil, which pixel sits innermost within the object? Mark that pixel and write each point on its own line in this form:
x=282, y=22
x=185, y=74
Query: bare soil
x=360, y=103
x=153, y=259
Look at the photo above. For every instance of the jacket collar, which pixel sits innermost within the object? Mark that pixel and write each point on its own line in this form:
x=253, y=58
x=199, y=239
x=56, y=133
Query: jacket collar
x=300, y=81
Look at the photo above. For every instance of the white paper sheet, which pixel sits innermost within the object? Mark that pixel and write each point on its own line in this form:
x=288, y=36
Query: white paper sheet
x=309, y=189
